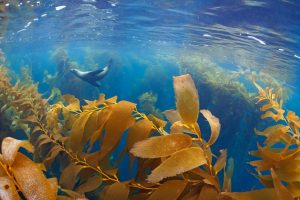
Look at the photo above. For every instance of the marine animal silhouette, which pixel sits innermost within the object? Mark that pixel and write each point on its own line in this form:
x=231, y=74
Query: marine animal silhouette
x=93, y=77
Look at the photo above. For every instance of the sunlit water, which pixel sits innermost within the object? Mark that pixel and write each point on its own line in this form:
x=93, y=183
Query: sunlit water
x=147, y=38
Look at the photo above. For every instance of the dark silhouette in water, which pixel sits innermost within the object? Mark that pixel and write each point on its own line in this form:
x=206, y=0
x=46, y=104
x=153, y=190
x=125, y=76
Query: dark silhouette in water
x=92, y=77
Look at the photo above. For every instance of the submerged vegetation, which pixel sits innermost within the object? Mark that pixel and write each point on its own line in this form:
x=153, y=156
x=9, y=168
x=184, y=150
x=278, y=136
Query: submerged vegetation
x=80, y=148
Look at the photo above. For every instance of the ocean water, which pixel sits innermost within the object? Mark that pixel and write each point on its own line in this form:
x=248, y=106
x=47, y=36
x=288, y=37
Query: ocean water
x=220, y=43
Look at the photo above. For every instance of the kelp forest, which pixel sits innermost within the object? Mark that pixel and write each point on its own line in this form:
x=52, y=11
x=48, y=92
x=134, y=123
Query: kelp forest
x=73, y=150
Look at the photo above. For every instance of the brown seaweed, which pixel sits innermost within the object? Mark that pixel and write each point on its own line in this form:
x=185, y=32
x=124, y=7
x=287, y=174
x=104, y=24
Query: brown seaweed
x=180, y=161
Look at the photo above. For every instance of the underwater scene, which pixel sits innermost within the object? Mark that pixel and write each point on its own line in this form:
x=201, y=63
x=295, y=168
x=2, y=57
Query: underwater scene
x=158, y=100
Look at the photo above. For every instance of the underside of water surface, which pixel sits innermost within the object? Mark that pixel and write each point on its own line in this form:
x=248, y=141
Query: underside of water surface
x=123, y=99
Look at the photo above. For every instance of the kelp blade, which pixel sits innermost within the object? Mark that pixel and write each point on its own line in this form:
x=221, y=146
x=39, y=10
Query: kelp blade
x=181, y=161
x=161, y=146
x=31, y=179
x=187, y=100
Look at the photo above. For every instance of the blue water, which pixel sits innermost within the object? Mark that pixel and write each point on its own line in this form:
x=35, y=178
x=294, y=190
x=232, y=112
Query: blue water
x=152, y=41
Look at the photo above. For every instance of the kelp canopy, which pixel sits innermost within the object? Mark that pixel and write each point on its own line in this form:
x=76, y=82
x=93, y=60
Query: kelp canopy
x=80, y=149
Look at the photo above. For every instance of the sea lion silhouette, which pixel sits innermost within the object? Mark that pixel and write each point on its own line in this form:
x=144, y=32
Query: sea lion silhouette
x=92, y=77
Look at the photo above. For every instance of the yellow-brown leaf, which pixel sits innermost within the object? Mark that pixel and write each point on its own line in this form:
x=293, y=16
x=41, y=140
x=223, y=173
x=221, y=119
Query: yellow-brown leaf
x=214, y=124
x=77, y=131
x=180, y=127
x=172, y=115
x=208, y=192
x=281, y=191
x=8, y=190
x=170, y=190
x=161, y=146
x=31, y=179
x=91, y=126
x=139, y=131
x=179, y=162
x=120, y=119
x=221, y=161
x=116, y=191
x=90, y=185
x=53, y=153
x=187, y=100
x=73, y=103
x=103, y=116
x=69, y=175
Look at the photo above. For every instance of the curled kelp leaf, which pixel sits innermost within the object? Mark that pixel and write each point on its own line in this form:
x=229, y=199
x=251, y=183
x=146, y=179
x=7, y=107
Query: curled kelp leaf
x=8, y=190
x=187, y=100
x=161, y=146
x=169, y=190
x=10, y=148
x=214, y=124
x=31, y=180
x=179, y=162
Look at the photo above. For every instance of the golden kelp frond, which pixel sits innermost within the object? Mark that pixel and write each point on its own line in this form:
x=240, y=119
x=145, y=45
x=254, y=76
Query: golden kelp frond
x=181, y=154
x=153, y=148
x=172, y=115
x=272, y=102
x=179, y=162
x=22, y=173
x=186, y=94
x=279, y=163
x=214, y=125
